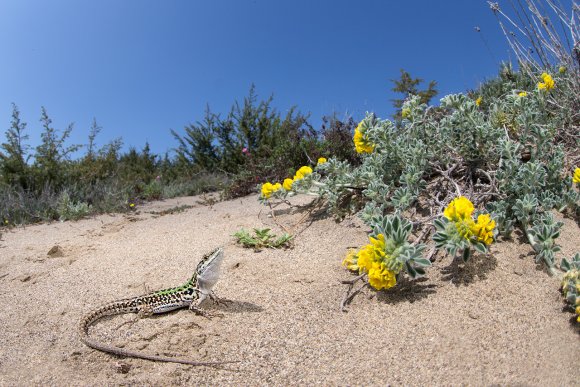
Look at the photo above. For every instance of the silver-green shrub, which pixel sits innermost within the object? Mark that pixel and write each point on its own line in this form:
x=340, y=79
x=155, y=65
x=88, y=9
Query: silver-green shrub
x=504, y=157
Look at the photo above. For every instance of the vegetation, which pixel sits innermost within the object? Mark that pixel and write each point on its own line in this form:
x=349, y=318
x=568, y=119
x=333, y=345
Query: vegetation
x=231, y=154
x=46, y=183
x=475, y=169
x=407, y=85
x=262, y=238
x=471, y=171
x=571, y=284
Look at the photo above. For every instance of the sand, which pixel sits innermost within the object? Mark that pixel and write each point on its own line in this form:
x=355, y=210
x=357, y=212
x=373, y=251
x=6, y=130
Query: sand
x=496, y=320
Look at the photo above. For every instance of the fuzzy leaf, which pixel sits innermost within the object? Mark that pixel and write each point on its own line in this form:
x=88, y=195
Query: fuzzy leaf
x=466, y=254
x=480, y=247
x=422, y=262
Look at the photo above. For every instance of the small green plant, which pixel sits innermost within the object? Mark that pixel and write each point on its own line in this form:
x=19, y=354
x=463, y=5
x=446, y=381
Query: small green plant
x=69, y=210
x=172, y=210
x=542, y=236
x=262, y=238
x=571, y=283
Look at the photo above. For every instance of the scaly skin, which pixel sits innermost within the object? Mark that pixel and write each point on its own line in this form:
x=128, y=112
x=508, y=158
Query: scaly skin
x=190, y=295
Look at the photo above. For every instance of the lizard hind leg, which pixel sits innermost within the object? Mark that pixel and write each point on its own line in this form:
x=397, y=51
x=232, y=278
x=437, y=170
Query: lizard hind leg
x=143, y=312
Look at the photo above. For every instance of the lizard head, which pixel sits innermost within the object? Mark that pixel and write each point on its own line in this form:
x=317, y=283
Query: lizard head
x=208, y=270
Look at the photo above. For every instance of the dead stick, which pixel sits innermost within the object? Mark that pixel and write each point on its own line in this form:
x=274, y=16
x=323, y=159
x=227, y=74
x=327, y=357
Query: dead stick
x=349, y=296
x=276, y=220
x=351, y=282
x=313, y=205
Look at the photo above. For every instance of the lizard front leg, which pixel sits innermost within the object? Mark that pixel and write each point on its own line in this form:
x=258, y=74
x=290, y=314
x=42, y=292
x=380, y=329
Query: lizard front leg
x=195, y=306
x=218, y=300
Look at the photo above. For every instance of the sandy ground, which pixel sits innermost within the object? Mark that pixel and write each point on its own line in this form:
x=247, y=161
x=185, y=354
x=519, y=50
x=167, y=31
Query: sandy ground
x=496, y=320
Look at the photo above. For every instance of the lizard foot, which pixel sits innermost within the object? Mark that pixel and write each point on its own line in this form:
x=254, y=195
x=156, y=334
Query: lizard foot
x=219, y=300
x=205, y=313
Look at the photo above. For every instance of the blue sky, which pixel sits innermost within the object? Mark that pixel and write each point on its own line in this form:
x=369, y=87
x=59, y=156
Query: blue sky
x=143, y=67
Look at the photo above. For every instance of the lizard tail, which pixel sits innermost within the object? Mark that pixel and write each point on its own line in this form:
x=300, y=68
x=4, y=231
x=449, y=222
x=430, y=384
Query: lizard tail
x=89, y=319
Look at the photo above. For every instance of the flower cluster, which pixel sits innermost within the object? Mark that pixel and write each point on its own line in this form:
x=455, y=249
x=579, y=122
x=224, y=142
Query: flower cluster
x=388, y=254
x=548, y=83
x=576, y=177
x=457, y=230
x=460, y=211
x=268, y=188
x=361, y=142
x=571, y=283
x=373, y=260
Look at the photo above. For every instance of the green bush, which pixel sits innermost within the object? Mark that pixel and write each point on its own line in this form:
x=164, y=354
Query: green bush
x=252, y=142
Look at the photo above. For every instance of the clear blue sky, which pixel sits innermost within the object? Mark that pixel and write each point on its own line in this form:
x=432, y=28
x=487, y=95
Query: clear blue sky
x=143, y=67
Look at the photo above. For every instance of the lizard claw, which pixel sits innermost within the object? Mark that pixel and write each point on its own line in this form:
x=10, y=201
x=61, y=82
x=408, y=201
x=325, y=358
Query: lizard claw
x=204, y=313
x=219, y=300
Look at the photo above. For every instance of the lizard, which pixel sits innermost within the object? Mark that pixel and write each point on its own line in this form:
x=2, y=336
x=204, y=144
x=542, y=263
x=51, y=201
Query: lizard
x=191, y=295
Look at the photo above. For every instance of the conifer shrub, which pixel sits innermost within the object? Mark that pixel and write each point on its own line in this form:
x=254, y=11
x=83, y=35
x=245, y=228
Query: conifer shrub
x=253, y=141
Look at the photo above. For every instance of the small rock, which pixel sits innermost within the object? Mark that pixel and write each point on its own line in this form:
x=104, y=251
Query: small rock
x=473, y=315
x=24, y=278
x=55, y=252
x=122, y=368
x=141, y=346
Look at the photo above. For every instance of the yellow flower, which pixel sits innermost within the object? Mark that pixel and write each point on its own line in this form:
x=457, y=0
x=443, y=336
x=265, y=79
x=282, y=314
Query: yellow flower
x=361, y=145
x=302, y=173
x=459, y=209
x=548, y=83
x=406, y=112
x=132, y=205
x=478, y=101
x=522, y=94
x=268, y=189
x=350, y=262
x=287, y=184
x=378, y=244
x=483, y=229
x=380, y=277
x=366, y=257
x=576, y=178
x=465, y=227
x=371, y=259
x=321, y=160
x=562, y=69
